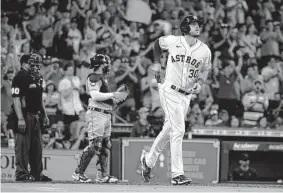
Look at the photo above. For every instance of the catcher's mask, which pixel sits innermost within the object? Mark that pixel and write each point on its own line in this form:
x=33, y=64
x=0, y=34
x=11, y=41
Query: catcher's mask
x=34, y=62
x=185, y=24
x=100, y=60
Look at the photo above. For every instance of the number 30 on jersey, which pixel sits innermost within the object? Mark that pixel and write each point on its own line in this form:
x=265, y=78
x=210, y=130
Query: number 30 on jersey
x=193, y=73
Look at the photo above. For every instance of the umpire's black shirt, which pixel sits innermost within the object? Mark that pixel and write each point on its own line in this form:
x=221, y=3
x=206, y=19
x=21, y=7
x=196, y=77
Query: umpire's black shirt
x=24, y=85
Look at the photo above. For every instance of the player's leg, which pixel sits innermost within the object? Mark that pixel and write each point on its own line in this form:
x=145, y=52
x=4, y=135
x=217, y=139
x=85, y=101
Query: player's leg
x=176, y=141
x=102, y=174
x=88, y=153
x=35, y=154
x=95, y=125
x=168, y=101
x=22, y=148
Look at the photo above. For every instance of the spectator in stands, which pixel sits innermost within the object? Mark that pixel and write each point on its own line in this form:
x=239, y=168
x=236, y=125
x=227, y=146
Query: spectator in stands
x=262, y=123
x=142, y=128
x=55, y=72
x=60, y=136
x=234, y=122
x=195, y=116
x=205, y=97
x=47, y=142
x=76, y=126
x=64, y=46
x=12, y=59
x=82, y=141
x=224, y=116
x=4, y=49
x=214, y=119
x=273, y=76
x=149, y=89
x=4, y=130
x=277, y=105
x=255, y=104
x=253, y=41
x=271, y=36
x=157, y=119
x=6, y=94
x=128, y=111
x=75, y=35
x=16, y=38
x=146, y=88
x=229, y=90
x=137, y=71
x=6, y=28
x=47, y=23
x=51, y=99
x=69, y=96
x=278, y=123
x=220, y=41
x=252, y=75
x=236, y=11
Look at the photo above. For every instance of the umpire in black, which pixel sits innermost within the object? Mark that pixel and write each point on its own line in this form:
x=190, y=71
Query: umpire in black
x=28, y=110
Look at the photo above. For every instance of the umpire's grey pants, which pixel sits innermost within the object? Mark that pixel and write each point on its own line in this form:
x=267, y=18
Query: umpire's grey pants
x=28, y=148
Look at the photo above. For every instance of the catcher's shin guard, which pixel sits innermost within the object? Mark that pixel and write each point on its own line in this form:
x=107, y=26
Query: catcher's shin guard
x=103, y=160
x=86, y=157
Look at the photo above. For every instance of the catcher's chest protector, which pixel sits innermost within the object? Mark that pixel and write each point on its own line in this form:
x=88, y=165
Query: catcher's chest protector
x=104, y=87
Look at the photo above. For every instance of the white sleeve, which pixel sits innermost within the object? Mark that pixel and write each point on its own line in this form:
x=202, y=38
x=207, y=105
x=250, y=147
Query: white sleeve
x=166, y=41
x=76, y=82
x=62, y=85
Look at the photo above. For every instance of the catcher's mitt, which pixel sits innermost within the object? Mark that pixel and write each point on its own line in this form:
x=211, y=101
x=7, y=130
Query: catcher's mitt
x=123, y=88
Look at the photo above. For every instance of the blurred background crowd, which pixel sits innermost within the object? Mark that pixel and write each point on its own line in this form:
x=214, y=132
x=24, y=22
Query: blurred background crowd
x=244, y=88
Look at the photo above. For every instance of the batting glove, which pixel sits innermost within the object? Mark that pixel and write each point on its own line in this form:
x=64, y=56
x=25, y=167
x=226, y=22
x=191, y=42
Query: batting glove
x=196, y=88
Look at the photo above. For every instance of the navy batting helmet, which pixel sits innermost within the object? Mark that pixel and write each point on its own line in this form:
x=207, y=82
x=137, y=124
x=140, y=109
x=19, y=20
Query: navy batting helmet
x=185, y=24
x=98, y=60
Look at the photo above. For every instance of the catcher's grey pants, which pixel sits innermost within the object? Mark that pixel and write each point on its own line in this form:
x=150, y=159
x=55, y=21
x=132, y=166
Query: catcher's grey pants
x=98, y=124
x=28, y=148
x=175, y=106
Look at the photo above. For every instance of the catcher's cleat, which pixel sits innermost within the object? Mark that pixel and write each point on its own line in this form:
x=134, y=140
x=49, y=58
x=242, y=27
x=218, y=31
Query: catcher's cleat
x=181, y=180
x=81, y=177
x=145, y=170
x=100, y=178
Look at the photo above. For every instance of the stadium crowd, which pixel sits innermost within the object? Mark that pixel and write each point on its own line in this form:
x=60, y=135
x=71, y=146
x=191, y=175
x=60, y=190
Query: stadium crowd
x=244, y=89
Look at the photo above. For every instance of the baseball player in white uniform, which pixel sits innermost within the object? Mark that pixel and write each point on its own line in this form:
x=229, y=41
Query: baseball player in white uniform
x=187, y=68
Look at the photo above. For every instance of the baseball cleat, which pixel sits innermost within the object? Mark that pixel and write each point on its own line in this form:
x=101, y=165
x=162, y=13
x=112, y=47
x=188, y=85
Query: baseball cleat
x=181, y=180
x=105, y=178
x=81, y=177
x=145, y=170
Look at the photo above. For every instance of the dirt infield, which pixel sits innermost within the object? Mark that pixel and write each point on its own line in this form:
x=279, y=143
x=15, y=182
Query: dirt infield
x=135, y=187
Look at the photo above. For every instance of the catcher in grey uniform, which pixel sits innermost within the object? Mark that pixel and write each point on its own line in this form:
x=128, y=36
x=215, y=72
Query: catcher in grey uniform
x=98, y=120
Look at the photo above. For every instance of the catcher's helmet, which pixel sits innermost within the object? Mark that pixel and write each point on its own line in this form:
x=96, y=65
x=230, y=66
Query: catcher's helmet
x=98, y=60
x=185, y=24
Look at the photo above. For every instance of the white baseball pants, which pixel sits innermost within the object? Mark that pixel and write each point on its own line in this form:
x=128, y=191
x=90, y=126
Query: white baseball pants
x=175, y=106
